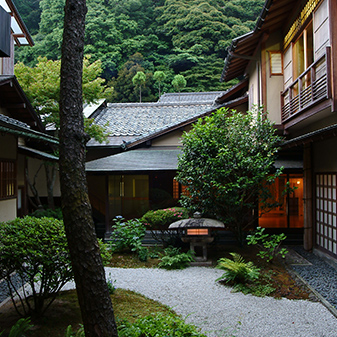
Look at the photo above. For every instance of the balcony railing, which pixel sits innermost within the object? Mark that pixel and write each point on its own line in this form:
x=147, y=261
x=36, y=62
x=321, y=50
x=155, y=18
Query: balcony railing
x=311, y=87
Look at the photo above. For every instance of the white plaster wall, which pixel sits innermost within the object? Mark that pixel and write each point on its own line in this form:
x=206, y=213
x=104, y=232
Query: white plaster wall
x=7, y=209
x=253, y=87
x=171, y=139
x=274, y=83
x=41, y=181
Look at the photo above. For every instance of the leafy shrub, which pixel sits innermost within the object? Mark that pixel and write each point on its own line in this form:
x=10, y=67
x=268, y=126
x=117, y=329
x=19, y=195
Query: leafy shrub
x=237, y=270
x=105, y=252
x=159, y=220
x=158, y=326
x=269, y=243
x=175, y=259
x=128, y=235
x=48, y=213
x=19, y=328
x=37, y=251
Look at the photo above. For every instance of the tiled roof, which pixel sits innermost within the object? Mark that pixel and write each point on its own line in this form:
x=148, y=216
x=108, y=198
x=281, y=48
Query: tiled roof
x=190, y=97
x=16, y=127
x=137, y=160
x=127, y=122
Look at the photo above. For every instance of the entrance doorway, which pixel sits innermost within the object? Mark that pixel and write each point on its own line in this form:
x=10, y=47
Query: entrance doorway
x=128, y=194
x=290, y=212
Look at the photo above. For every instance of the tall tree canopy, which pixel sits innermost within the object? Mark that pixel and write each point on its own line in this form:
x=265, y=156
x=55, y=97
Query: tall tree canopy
x=42, y=87
x=187, y=37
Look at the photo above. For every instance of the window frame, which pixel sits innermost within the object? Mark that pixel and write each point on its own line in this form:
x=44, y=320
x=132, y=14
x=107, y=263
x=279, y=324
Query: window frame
x=271, y=53
x=8, y=181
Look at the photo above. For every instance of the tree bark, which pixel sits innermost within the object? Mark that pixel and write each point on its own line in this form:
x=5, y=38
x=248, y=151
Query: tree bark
x=93, y=295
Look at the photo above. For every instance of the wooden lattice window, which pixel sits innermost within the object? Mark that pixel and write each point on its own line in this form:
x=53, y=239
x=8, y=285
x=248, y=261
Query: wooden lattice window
x=7, y=179
x=326, y=212
x=175, y=189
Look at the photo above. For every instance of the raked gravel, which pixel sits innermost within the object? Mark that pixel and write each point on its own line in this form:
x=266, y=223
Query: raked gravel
x=194, y=294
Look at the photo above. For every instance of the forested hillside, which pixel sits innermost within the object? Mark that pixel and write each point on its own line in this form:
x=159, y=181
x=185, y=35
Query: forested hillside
x=187, y=37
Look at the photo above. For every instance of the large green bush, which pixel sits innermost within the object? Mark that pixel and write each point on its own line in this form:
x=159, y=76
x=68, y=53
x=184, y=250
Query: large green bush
x=159, y=220
x=36, y=250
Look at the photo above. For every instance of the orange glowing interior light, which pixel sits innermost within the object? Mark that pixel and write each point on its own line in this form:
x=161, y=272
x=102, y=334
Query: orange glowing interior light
x=197, y=231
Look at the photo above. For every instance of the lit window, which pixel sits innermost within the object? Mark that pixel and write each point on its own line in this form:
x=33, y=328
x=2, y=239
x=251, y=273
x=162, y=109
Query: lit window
x=197, y=231
x=7, y=179
x=175, y=189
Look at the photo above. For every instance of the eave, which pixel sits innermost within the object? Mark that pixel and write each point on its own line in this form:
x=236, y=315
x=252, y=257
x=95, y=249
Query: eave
x=19, y=30
x=276, y=14
x=15, y=101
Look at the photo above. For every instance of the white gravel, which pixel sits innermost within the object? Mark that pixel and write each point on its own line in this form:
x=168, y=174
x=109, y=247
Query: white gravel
x=194, y=294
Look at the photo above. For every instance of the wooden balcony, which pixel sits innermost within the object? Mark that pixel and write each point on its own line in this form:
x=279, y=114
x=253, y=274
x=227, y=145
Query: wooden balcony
x=310, y=88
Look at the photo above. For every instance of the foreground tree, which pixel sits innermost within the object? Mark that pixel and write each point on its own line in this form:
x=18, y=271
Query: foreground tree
x=227, y=165
x=93, y=294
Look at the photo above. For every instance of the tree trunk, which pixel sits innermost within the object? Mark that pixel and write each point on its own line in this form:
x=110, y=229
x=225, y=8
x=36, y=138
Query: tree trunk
x=93, y=295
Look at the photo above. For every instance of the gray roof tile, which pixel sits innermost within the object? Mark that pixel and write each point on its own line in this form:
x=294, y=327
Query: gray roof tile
x=137, y=160
x=133, y=121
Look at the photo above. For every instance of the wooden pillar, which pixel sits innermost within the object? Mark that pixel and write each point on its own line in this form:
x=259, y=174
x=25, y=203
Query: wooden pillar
x=308, y=197
x=107, y=207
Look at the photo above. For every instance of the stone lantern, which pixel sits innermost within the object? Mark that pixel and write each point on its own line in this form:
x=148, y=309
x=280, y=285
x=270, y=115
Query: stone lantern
x=197, y=231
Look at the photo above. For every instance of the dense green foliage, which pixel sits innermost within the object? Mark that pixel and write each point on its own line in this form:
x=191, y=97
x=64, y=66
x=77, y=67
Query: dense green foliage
x=226, y=166
x=158, y=326
x=127, y=235
x=41, y=84
x=189, y=37
x=174, y=258
x=270, y=244
x=158, y=221
x=37, y=250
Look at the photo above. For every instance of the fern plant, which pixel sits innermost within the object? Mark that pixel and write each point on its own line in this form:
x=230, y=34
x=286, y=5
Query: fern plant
x=78, y=333
x=237, y=270
x=19, y=328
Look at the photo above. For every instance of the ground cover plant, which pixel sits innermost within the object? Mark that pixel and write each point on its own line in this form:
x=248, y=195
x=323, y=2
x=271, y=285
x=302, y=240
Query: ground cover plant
x=129, y=308
x=174, y=258
x=276, y=280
